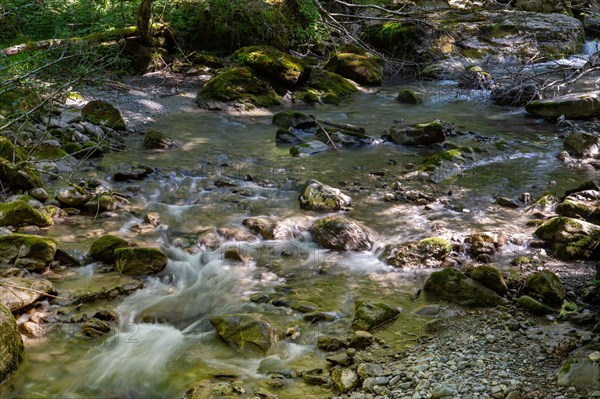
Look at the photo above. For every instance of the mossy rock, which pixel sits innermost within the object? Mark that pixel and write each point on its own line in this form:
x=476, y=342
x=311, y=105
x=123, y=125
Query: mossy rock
x=13, y=174
x=72, y=196
x=341, y=234
x=368, y=315
x=248, y=333
x=533, y=306
x=12, y=350
x=100, y=112
x=430, y=163
x=156, y=140
x=409, y=97
x=237, y=88
x=435, y=247
x=30, y=252
x=273, y=64
x=571, y=238
x=363, y=69
x=418, y=134
x=140, y=261
x=20, y=213
x=397, y=38
x=104, y=247
x=572, y=106
x=295, y=119
x=491, y=278
x=317, y=196
x=330, y=86
x=547, y=286
x=48, y=152
x=311, y=147
x=453, y=286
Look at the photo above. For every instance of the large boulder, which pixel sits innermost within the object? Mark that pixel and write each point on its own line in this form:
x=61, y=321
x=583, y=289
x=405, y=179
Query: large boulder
x=345, y=379
x=104, y=247
x=239, y=89
x=30, y=252
x=272, y=63
x=546, y=286
x=418, y=134
x=72, y=197
x=100, y=112
x=18, y=213
x=246, y=332
x=585, y=145
x=316, y=196
x=11, y=344
x=140, y=261
x=365, y=69
x=368, y=315
x=19, y=292
x=429, y=252
x=491, y=278
x=581, y=205
x=581, y=370
x=572, y=106
x=571, y=238
x=342, y=234
x=327, y=87
x=453, y=286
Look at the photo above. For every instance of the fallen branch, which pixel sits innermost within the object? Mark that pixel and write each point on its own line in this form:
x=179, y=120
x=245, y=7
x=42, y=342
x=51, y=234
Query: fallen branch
x=324, y=131
x=344, y=126
x=4, y=283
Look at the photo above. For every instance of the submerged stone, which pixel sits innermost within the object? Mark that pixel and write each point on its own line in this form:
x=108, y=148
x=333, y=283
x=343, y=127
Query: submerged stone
x=368, y=315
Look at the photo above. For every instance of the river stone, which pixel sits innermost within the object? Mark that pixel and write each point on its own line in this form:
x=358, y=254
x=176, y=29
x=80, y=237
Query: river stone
x=95, y=327
x=585, y=145
x=361, y=339
x=100, y=112
x=571, y=238
x=409, y=97
x=246, y=333
x=72, y=196
x=581, y=205
x=344, y=379
x=71, y=115
x=572, y=106
x=139, y=261
x=317, y=196
x=547, y=286
x=308, y=148
x=580, y=371
x=31, y=252
x=156, y=140
x=11, y=344
x=316, y=377
x=439, y=391
x=104, y=247
x=533, y=306
x=364, y=69
x=101, y=286
x=295, y=119
x=368, y=315
x=330, y=343
x=418, y=134
x=341, y=234
x=491, y=278
x=19, y=292
x=453, y=286
x=18, y=213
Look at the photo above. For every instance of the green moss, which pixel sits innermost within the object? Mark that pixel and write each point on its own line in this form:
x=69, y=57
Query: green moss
x=433, y=161
x=548, y=286
x=101, y=112
x=287, y=119
x=13, y=350
x=409, y=97
x=533, y=306
x=19, y=213
x=441, y=278
x=103, y=248
x=48, y=152
x=363, y=69
x=72, y=147
x=521, y=261
x=566, y=367
x=155, y=140
x=332, y=88
x=272, y=63
x=395, y=37
x=582, y=246
x=435, y=247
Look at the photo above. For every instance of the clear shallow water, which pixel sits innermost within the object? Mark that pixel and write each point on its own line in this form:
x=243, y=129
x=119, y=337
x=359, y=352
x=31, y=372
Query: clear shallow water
x=164, y=343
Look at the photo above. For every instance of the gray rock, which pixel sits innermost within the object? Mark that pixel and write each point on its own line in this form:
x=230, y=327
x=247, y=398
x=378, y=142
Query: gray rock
x=72, y=196
x=580, y=371
x=344, y=379
x=368, y=315
x=245, y=332
x=572, y=106
x=317, y=196
x=585, y=145
x=342, y=234
x=19, y=292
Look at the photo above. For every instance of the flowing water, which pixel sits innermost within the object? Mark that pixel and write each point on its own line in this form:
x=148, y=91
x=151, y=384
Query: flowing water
x=164, y=343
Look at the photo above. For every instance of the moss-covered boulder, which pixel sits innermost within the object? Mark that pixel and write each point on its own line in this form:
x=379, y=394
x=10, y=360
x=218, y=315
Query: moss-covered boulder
x=401, y=39
x=455, y=155
x=572, y=106
x=11, y=345
x=294, y=119
x=571, y=238
x=18, y=213
x=273, y=64
x=30, y=252
x=237, y=88
x=156, y=140
x=368, y=315
x=12, y=173
x=21, y=292
x=409, y=97
x=418, y=134
x=582, y=144
x=547, y=286
x=581, y=205
x=72, y=197
x=533, y=306
x=103, y=248
x=247, y=333
x=100, y=112
x=139, y=261
x=429, y=252
x=453, y=286
x=365, y=69
x=327, y=87
x=491, y=278
x=581, y=370
x=316, y=196
x=341, y=234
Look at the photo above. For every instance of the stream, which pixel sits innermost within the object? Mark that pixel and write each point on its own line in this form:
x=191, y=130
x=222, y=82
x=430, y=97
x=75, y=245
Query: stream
x=163, y=343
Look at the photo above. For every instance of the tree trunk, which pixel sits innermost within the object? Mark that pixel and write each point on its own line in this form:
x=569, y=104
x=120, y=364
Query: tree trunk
x=143, y=21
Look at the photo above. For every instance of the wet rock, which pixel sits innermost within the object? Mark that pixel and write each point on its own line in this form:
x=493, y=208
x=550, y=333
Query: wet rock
x=453, y=286
x=491, y=278
x=19, y=213
x=344, y=379
x=409, y=97
x=294, y=119
x=418, y=134
x=139, y=261
x=156, y=140
x=274, y=365
x=368, y=315
x=138, y=172
x=581, y=370
x=31, y=329
x=317, y=196
x=316, y=377
x=429, y=252
x=317, y=316
x=340, y=359
x=26, y=251
x=235, y=234
x=327, y=87
x=19, y=292
x=308, y=148
x=547, y=286
x=95, y=328
x=273, y=64
x=104, y=247
x=269, y=229
x=330, y=343
x=234, y=254
x=364, y=69
x=72, y=196
x=11, y=345
x=101, y=112
x=507, y=202
x=572, y=106
x=341, y=234
x=585, y=145
x=361, y=339
x=246, y=333
x=581, y=205
x=571, y=238
x=105, y=286
x=533, y=306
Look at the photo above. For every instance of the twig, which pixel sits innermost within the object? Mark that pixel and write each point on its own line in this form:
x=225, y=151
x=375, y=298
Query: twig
x=4, y=283
x=324, y=131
